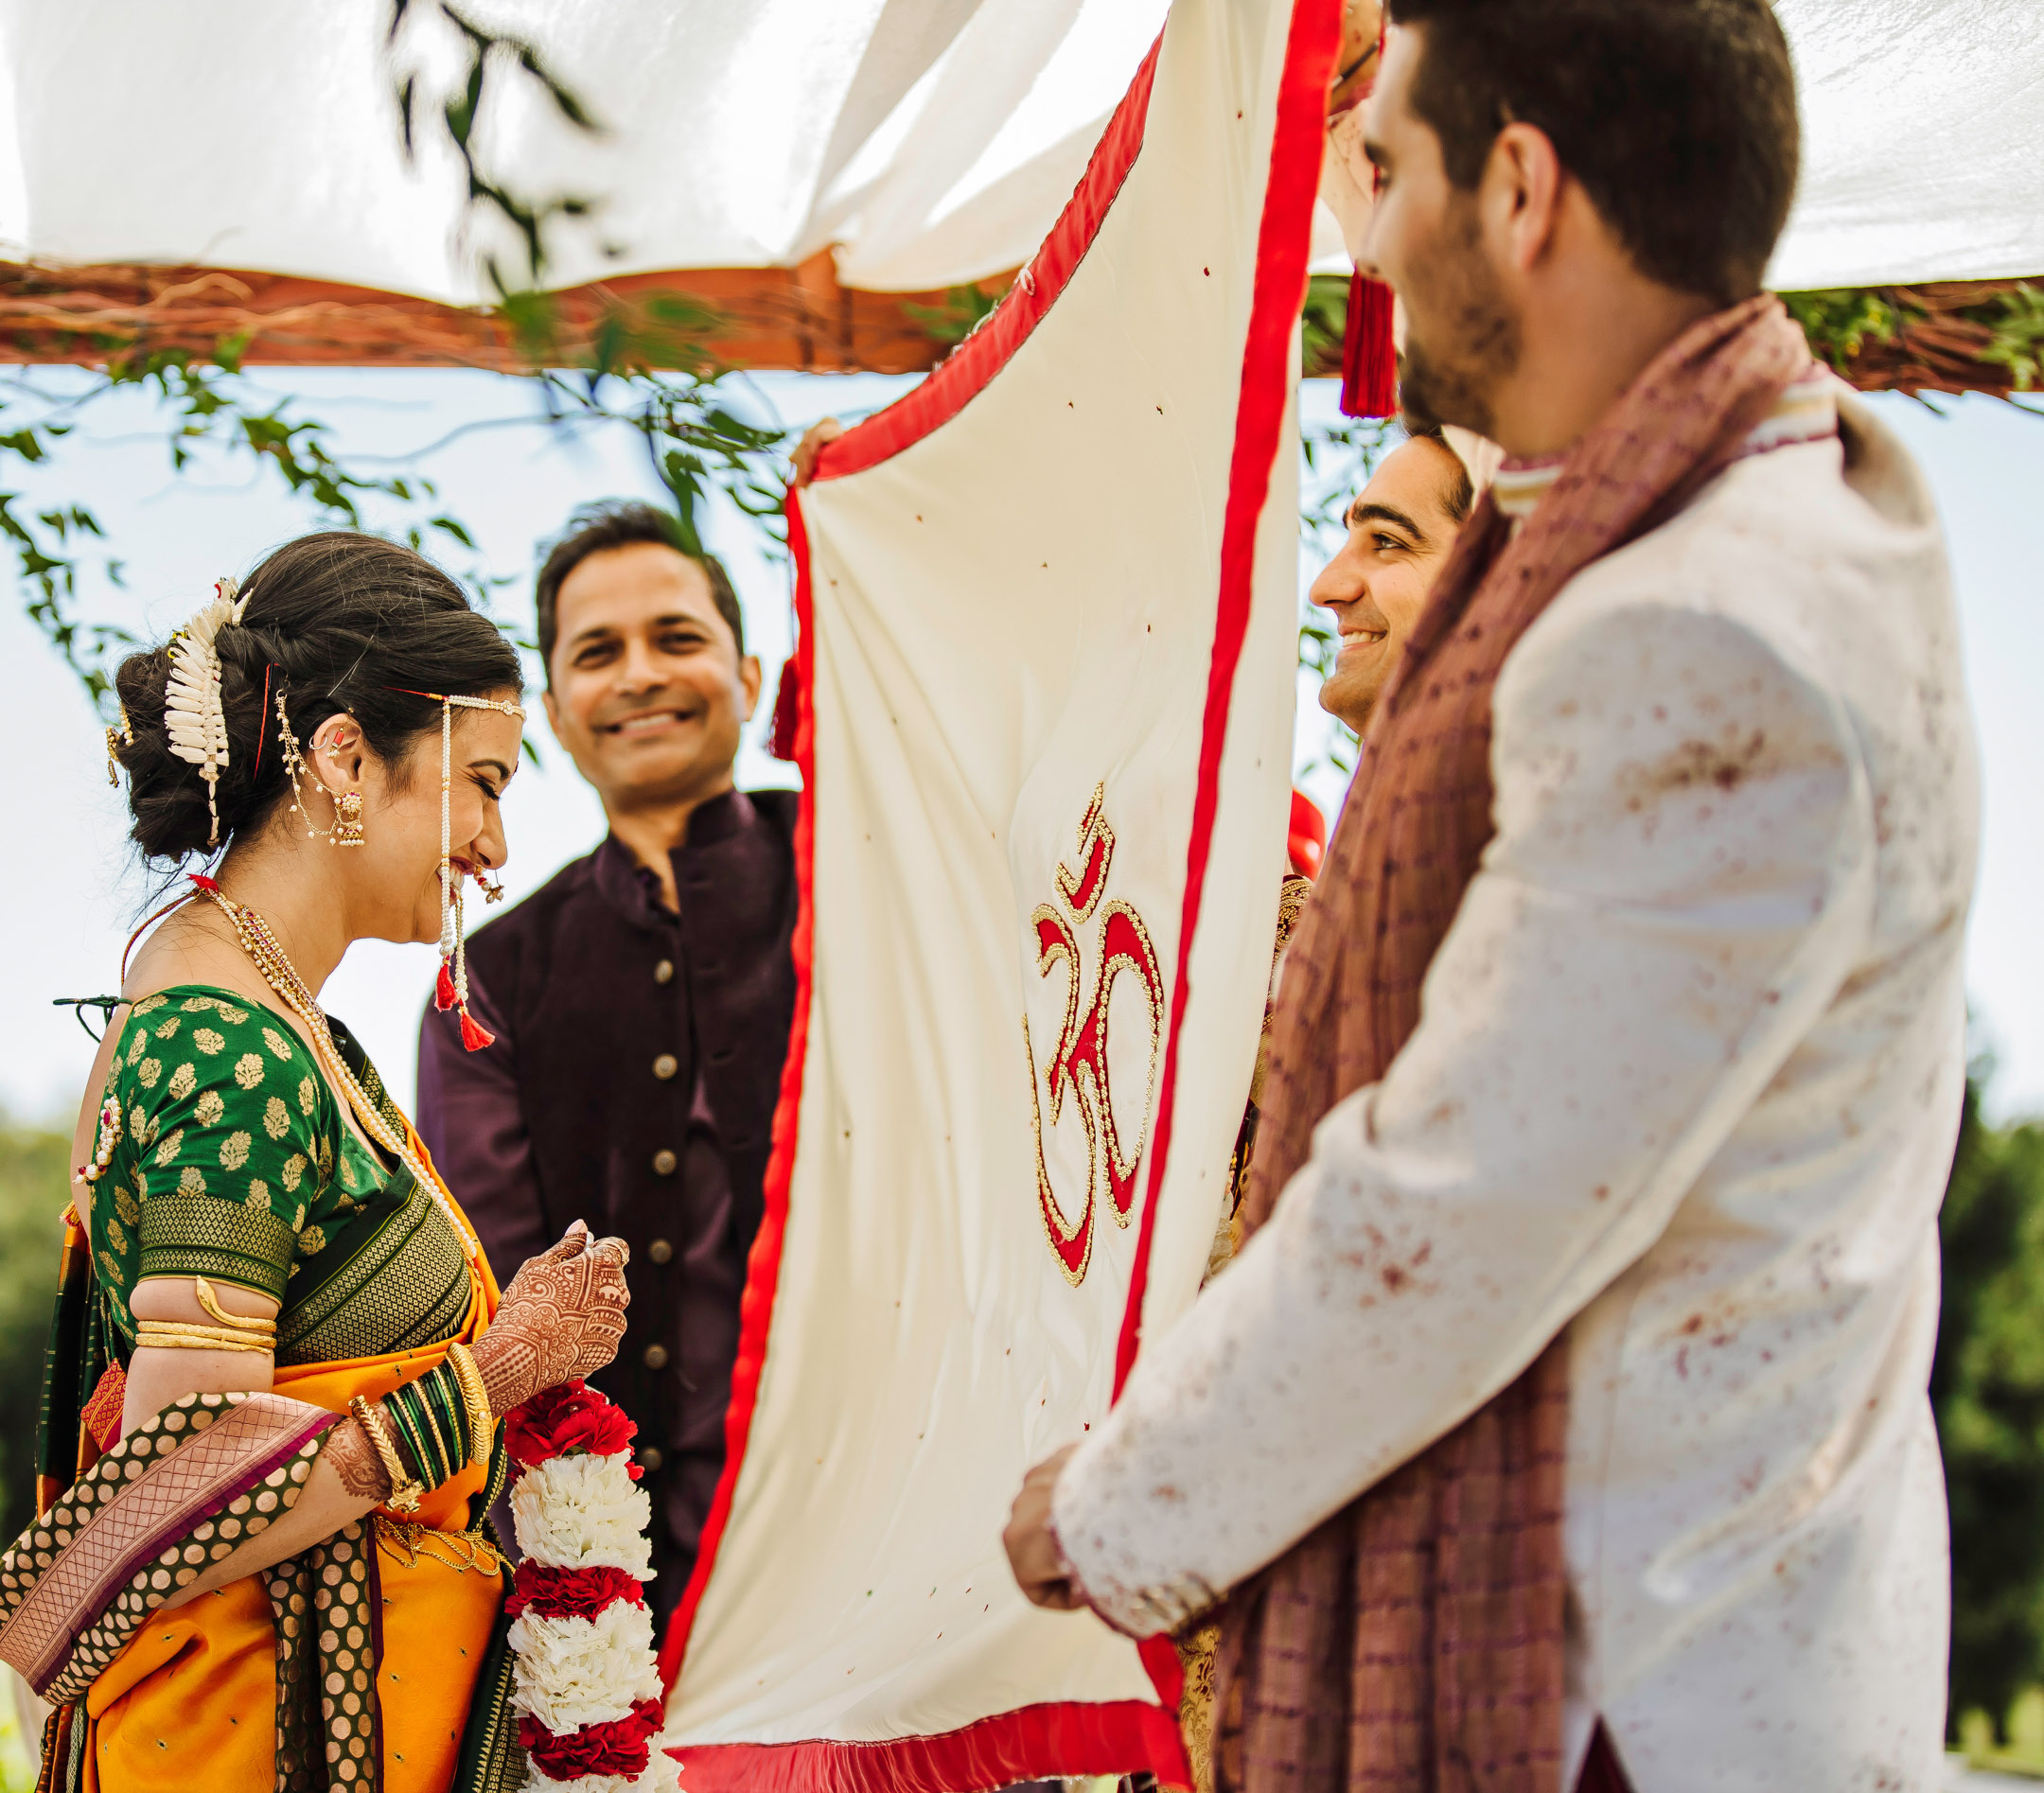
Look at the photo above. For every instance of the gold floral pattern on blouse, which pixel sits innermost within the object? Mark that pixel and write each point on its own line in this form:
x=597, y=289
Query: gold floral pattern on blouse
x=250, y=1176
x=149, y=1005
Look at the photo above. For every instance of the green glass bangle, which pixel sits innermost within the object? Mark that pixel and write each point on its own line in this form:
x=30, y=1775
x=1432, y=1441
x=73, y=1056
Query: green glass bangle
x=403, y=1406
x=431, y=1421
x=444, y=1396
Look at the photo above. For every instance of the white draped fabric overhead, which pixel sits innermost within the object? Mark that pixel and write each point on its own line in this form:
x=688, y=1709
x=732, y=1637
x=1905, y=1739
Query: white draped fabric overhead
x=930, y=142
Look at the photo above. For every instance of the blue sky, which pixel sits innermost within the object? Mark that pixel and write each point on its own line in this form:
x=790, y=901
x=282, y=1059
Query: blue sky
x=76, y=893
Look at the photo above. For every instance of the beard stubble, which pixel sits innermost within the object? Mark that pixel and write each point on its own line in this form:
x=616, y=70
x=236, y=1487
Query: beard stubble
x=1461, y=336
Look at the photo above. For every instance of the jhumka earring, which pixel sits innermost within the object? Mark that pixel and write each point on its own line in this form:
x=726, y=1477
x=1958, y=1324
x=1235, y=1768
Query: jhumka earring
x=451, y=989
x=348, y=819
x=347, y=823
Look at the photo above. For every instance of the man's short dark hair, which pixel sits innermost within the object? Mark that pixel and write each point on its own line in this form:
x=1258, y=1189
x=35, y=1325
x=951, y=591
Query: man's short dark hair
x=616, y=522
x=1458, y=497
x=1678, y=116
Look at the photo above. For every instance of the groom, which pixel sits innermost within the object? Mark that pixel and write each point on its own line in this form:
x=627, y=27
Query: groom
x=1564, y=1421
x=641, y=998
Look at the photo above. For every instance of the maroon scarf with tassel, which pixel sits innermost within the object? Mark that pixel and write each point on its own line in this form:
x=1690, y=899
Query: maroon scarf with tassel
x=1413, y=1643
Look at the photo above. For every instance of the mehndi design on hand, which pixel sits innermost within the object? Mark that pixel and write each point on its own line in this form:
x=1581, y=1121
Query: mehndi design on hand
x=563, y=1316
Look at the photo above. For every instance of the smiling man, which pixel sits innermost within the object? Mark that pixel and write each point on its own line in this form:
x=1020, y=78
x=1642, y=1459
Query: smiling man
x=1400, y=528
x=642, y=997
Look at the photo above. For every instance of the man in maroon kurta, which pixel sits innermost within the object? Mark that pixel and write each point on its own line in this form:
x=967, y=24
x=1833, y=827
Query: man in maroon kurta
x=641, y=998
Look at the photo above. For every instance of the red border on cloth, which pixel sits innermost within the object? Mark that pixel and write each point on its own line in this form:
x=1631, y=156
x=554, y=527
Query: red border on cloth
x=1281, y=290
x=1068, y=1737
x=763, y=1264
x=997, y=1751
x=965, y=374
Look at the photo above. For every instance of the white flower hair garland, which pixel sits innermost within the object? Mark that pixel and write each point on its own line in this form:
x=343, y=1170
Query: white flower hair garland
x=194, y=717
x=585, y=1677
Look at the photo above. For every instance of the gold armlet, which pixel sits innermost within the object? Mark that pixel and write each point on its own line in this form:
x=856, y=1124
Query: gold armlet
x=177, y=1335
x=405, y=1492
x=482, y=1421
x=240, y=1322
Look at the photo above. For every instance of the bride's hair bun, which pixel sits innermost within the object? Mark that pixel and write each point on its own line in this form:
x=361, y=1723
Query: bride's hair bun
x=335, y=620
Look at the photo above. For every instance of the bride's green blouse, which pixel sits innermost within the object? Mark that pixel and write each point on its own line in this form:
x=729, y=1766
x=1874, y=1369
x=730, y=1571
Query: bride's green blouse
x=235, y=1163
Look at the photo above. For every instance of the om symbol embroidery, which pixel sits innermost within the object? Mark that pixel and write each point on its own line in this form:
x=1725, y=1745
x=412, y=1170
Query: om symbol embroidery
x=1078, y=1070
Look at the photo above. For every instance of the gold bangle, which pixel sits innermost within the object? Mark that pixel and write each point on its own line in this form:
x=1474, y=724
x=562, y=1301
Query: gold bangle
x=174, y=1335
x=405, y=1492
x=212, y=1331
x=245, y=1322
x=482, y=1421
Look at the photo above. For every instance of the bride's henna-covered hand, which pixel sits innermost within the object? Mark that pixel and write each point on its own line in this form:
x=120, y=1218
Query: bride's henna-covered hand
x=562, y=1316
x=355, y=1460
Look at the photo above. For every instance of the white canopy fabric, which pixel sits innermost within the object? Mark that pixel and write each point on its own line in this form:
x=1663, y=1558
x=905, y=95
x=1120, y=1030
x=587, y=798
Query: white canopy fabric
x=931, y=142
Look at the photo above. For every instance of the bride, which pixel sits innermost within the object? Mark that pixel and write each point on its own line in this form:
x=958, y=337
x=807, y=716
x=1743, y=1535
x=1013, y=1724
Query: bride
x=279, y=1359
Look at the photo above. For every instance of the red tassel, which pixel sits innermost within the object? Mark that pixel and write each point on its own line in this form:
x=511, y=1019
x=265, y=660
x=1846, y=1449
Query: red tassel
x=1370, y=363
x=444, y=995
x=1306, y=841
x=786, y=711
x=475, y=1036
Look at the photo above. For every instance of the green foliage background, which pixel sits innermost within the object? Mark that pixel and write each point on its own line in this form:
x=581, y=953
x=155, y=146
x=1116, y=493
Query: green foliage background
x=1987, y=1387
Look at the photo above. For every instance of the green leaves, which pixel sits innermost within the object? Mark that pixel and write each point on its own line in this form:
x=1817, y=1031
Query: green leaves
x=489, y=55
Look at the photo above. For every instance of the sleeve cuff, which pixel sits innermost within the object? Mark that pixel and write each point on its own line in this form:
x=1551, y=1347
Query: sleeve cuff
x=1152, y=1609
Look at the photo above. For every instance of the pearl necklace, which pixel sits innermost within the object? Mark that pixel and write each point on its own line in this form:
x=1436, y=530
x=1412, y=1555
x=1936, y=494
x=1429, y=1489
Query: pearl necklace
x=282, y=976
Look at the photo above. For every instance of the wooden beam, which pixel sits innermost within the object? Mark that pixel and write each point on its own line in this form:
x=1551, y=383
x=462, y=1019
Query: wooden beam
x=796, y=318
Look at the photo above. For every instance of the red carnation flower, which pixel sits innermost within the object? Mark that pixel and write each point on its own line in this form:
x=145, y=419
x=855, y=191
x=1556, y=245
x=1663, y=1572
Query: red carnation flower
x=568, y=1593
x=556, y=1422
x=621, y=1747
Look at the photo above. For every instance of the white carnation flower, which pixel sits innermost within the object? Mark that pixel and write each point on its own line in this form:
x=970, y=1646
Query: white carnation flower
x=663, y=1775
x=577, y=1671
x=577, y=1512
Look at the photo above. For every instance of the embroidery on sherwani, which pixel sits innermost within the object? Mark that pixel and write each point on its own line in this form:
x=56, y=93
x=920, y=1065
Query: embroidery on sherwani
x=180, y=1491
x=1415, y=1643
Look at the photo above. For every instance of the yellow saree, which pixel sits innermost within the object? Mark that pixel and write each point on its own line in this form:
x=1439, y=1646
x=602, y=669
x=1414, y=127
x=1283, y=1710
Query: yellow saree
x=375, y=1660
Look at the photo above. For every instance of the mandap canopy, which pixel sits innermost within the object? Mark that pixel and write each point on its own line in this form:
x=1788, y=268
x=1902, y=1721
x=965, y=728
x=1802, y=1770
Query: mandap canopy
x=1047, y=607
x=804, y=165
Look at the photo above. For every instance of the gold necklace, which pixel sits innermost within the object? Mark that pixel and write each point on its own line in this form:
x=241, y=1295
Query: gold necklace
x=282, y=976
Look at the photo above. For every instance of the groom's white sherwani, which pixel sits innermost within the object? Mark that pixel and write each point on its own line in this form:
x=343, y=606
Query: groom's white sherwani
x=1685, y=1084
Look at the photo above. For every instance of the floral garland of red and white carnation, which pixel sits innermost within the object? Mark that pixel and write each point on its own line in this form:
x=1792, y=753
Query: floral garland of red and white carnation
x=585, y=1677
